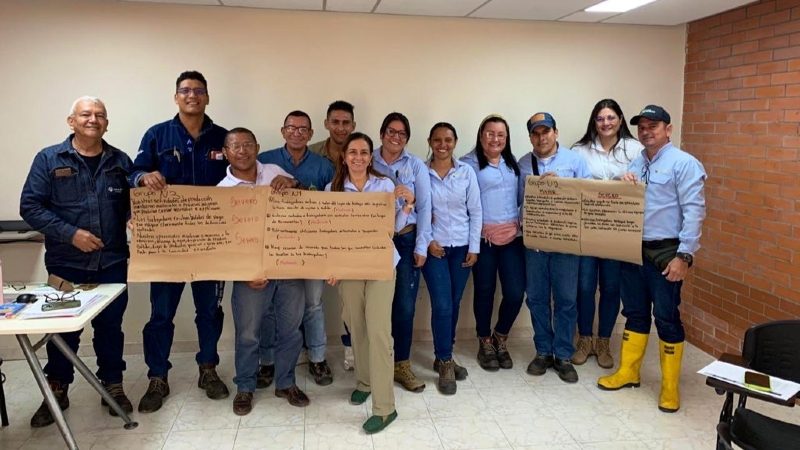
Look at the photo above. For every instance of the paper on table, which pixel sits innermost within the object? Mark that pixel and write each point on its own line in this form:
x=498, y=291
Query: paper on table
x=34, y=311
x=733, y=374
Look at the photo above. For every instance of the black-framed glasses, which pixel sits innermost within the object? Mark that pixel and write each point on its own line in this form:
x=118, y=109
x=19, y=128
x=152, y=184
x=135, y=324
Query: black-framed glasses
x=646, y=173
x=58, y=298
x=291, y=129
x=15, y=286
x=197, y=91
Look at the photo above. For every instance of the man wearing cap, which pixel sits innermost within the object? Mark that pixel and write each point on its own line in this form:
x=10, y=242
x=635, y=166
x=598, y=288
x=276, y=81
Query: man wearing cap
x=551, y=273
x=673, y=219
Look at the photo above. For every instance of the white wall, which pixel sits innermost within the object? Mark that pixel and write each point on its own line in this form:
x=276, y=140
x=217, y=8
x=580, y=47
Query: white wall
x=261, y=64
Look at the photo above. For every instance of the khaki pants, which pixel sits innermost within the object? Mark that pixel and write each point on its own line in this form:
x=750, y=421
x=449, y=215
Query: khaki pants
x=367, y=311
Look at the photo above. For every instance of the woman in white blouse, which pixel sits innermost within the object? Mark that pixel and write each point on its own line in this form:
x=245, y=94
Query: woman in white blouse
x=367, y=304
x=608, y=147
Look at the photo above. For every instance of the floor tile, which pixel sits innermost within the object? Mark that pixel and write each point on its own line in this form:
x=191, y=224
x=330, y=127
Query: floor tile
x=477, y=432
x=200, y=440
x=535, y=428
x=279, y=438
x=336, y=436
x=407, y=434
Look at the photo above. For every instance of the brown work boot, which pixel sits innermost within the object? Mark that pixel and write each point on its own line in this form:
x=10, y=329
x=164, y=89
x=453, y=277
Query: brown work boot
x=42, y=417
x=153, y=398
x=602, y=349
x=487, y=355
x=461, y=372
x=293, y=395
x=209, y=381
x=243, y=403
x=118, y=394
x=447, y=377
x=405, y=376
x=583, y=349
x=503, y=357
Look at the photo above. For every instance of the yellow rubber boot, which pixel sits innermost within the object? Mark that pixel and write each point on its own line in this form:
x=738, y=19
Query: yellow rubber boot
x=630, y=361
x=671, y=355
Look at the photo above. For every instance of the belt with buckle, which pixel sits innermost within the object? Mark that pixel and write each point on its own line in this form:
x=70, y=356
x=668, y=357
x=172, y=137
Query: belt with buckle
x=406, y=229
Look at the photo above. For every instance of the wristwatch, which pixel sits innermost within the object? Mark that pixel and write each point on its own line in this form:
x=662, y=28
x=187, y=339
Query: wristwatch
x=686, y=257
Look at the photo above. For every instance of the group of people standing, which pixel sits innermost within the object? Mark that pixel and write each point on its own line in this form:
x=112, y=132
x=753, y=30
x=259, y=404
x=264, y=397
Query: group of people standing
x=453, y=217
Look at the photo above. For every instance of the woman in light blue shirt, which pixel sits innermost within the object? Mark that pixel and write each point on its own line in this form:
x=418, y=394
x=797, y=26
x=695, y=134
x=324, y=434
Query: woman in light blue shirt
x=502, y=252
x=367, y=304
x=454, y=246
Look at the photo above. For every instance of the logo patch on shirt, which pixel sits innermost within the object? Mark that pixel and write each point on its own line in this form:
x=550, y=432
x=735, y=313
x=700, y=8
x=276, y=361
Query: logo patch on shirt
x=61, y=172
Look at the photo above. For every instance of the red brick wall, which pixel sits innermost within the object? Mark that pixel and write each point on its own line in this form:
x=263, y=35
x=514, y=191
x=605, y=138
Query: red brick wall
x=740, y=118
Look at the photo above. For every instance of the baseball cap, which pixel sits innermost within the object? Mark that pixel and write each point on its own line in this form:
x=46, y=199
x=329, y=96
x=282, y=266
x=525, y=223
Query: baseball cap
x=652, y=112
x=541, y=119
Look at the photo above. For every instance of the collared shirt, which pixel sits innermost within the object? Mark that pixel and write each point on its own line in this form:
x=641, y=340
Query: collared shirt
x=321, y=148
x=564, y=163
x=169, y=148
x=265, y=173
x=457, y=215
x=313, y=171
x=410, y=171
x=62, y=195
x=498, y=186
x=380, y=184
x=610, y=165
x=674, y=202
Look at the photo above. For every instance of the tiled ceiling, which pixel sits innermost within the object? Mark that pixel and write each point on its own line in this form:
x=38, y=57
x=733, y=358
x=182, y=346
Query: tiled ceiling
x=660, y=12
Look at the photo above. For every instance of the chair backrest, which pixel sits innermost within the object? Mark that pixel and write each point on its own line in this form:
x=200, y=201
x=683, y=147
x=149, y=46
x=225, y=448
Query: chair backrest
x=774, y=348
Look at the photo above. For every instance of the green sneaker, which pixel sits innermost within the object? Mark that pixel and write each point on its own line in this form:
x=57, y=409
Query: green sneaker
x=358, y=397
x=377, y=423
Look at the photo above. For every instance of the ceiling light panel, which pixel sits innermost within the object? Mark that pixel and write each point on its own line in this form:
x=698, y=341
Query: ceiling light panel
x=675, y=12
x=617, y=6
x=531, y=9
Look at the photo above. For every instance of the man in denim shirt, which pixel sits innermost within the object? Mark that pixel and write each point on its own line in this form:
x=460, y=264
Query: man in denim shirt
x=76, y=194
x=184, y=150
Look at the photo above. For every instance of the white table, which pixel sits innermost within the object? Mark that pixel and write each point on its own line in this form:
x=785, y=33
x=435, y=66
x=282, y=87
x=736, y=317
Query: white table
x=23, y=328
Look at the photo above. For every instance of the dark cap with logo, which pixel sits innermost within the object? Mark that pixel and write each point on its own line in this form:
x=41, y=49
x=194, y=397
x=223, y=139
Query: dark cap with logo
x=541, y=119
x=652, y=112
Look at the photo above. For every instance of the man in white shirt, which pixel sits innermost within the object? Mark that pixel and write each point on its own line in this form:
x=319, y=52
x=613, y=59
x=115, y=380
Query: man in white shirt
x=251, y=300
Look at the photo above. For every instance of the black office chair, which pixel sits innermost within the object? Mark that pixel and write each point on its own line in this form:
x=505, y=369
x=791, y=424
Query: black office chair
x=774, y=349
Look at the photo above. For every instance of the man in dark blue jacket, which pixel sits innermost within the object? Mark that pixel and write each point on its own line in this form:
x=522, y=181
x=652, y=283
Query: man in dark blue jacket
x=77, y=195
x=184, y=150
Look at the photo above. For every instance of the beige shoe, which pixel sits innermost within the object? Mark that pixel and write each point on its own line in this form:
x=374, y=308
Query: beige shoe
x=406, y=378
x=602, y=349
x=583, y=350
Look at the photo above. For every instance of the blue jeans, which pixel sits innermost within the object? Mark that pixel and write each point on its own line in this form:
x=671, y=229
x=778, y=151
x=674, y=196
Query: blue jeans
x=159, y=332
x=405, y=296
x=446, y=280
x=609, y=295
x=508, y=261
x=108, y=338
x=250, y=309
x=312, y=329
x=645, y=289
x=555, y=275
x=314, y=320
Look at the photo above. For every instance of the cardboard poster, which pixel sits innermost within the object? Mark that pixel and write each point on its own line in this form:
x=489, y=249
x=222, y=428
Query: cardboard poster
x=189, y=233
x=584, y=217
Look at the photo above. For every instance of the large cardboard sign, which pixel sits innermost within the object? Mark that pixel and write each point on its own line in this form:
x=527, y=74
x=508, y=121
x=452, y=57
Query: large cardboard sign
x=584, y=217
x=188, y=233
